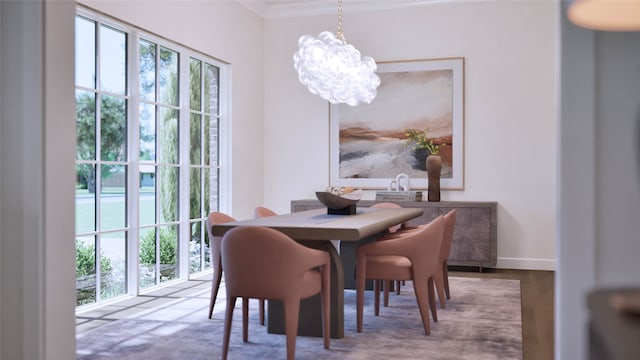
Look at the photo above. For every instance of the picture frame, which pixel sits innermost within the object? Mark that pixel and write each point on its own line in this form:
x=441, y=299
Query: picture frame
x=368, y=145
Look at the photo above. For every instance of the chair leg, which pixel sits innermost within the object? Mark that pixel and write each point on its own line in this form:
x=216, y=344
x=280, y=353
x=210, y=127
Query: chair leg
x=291, y=314
x=326, y=305
x=445, y=272
x=245, y=319
x=422, y=297
x=261, y=305
x=439, y=282
x=387, y=288
x=215, y=285
x=376, y=297
x=398, y=286
x=231, y=303
x=360, y=279
x=432, y=299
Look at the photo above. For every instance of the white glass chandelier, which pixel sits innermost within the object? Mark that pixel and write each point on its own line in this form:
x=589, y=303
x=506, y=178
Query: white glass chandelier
x=335, y=70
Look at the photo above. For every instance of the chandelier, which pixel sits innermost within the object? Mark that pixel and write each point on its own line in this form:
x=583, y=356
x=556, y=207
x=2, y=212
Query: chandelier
x=335, y=70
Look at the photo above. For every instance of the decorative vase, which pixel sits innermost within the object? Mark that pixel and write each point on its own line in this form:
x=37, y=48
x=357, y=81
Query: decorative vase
x=434, y=166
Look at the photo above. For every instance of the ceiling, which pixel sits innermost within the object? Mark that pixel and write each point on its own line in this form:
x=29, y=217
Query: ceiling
x=275, y=9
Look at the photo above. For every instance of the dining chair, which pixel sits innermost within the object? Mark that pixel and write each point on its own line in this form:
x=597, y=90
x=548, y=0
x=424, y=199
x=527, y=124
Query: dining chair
x=391, y=230
x=263, y=263
x=441, y=280
x=412, y=256
x=215, y=218
x=262, y=211
x=442, y=276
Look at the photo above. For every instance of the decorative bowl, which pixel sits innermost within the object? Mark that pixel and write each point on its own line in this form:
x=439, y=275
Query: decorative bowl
x=332, y=201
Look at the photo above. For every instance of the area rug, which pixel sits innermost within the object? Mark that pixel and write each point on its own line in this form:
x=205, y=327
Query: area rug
x=482, y=321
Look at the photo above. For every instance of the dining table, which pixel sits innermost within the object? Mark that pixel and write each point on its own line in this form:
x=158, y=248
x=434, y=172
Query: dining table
x=319, y=229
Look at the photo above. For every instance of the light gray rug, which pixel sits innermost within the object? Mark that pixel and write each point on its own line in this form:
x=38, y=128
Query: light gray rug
x=482, y=321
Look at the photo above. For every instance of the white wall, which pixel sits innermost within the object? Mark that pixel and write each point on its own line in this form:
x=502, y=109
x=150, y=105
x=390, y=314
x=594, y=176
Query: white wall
x=510, y=121
x=599, y=178
x=231, y=33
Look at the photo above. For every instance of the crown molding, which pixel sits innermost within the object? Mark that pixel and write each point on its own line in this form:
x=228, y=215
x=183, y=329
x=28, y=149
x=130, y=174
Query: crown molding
x=275, y=9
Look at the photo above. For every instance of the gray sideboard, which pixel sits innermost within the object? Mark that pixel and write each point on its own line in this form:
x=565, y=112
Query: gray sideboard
x=475, y=239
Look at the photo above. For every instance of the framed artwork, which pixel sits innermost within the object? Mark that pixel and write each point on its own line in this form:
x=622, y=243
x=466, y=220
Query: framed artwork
x=368, y=145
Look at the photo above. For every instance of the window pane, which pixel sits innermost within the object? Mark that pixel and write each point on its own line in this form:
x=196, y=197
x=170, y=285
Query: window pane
x=168, y=252
x=85, y=125
x=195, y=182
x=147, y=251
x=147, y=132
x=113, y=252
x=168, y=77
x=195, y=247
x=207, y=192
x=195, y=76
x=169, y=186
x=207, y=139
x=113, y=64
x=113, y=129
x=147, y=197
x=147, y=70
x=113, y=197
x=168, y=136
x=195, y=140
x=85, y=52
x=85, y=270
x=211, y=89
x=85, y=198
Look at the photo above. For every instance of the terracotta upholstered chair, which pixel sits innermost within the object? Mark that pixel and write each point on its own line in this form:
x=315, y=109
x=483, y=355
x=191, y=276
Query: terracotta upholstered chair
x=214, y=218
x=264, y=263
x=261, y=211
x=442, y=276
x=412, y=256
x=393, y=229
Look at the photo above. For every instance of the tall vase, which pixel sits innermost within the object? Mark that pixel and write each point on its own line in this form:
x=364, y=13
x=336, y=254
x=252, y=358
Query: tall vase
x=434, y=166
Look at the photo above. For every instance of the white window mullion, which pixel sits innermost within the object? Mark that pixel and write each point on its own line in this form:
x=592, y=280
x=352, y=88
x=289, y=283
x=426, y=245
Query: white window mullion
x=183, y=194
x=133, y=179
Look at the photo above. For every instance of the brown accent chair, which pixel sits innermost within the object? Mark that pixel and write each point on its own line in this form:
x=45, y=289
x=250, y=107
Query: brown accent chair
x=264, y=263
x=215, y=218
x=412, y=256
x=391, y=230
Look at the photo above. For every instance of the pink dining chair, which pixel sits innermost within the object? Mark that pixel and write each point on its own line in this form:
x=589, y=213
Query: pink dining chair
x=262, y=211
x=412, y=256
x=215, y=218
x=442, y=276
x=263, y=263
x=391, y=230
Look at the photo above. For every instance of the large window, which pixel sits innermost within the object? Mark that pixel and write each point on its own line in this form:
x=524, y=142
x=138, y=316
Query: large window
x=147, y=160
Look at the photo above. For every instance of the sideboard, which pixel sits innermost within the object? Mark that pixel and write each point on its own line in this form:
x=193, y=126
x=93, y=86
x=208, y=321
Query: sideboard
x=475, y=237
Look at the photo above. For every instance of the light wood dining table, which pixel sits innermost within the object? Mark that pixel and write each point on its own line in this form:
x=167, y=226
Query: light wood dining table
x=317, y=229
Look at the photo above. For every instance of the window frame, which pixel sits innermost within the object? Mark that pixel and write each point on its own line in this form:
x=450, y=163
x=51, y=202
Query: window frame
x=222, y=166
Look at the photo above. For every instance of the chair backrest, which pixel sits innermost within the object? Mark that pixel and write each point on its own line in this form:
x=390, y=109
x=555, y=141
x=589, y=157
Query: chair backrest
x=421, y=247
x=447, y=237
x=262, y=211
x=215, y=218
x=388, y=205
x=264, y=263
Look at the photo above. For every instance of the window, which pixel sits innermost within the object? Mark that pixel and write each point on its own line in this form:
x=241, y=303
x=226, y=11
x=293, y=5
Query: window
x=147, y=160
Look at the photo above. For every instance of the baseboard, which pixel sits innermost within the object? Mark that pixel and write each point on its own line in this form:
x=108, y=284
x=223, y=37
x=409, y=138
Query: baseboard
x=526, y=264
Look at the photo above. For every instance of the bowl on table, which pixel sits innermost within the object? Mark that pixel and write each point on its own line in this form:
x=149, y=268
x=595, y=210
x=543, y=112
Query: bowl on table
x=337, y=203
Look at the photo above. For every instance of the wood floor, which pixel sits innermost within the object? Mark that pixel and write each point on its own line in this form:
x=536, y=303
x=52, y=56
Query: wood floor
x=537, y=291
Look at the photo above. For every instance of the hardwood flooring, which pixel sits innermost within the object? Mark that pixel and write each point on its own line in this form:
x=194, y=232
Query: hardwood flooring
x=537, y=291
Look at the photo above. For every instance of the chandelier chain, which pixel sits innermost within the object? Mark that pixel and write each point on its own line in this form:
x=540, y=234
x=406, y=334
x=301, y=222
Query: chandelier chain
x=339, y=34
